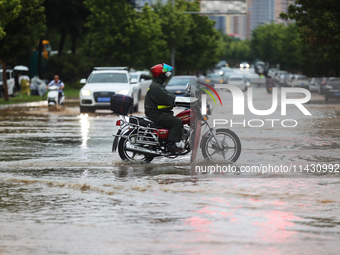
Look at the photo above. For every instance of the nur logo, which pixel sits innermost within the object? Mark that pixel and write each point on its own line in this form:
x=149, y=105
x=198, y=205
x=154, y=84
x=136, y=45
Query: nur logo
x=204, y=96
x=238, y=99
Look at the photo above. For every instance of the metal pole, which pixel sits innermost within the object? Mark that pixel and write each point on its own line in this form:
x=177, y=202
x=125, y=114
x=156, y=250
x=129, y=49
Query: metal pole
x=173, y=50
x=173, y=59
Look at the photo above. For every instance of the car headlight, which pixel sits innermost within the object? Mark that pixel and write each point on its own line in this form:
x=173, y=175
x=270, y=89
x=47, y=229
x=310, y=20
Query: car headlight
x=328, y=87
x=241, y=65
x=85, y=92
x=123, y=92
x=220, y=72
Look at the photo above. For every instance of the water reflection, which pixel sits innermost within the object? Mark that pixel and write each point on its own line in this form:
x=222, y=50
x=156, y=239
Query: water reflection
x=57, y=184
x=85, y=126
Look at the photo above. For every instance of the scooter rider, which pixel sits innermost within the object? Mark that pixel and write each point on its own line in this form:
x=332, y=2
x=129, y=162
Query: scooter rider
x=159, y=103
x=58, y=83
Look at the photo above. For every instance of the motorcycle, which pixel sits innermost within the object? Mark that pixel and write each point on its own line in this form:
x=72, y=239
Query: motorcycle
x=53, y=99
x=140, y=139
x=269, y=84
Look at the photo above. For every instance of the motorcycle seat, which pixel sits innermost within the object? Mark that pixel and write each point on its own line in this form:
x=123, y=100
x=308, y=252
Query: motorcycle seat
x=143, y=121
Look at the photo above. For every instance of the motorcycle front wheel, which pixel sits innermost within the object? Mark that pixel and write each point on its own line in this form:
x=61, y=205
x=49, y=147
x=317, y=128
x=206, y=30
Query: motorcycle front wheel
x=131, y=155
x=230, y=150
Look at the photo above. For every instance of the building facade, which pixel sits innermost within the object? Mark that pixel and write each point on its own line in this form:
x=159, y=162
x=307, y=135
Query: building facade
x=259, y=12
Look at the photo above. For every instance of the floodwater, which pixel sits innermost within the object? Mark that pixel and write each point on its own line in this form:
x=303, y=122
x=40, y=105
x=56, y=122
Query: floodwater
x=62, y=190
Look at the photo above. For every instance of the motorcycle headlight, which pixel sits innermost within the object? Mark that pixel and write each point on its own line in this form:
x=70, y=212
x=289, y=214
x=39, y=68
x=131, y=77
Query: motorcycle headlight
x=123, y=92
x=85, y=92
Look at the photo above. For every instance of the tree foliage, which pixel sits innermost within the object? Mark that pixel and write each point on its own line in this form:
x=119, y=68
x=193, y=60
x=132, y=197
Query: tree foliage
x=202, y=44
x=118, y=35
x=66, y=18
x=9, y=10
x=279, y=44
x=268, y=41
x=235, y=50
x=25, y=26
x=23, y=32
x=319, y=23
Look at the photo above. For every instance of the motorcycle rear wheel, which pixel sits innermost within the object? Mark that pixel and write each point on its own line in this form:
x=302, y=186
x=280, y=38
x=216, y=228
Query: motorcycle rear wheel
x=231, y=146
x=130, y=155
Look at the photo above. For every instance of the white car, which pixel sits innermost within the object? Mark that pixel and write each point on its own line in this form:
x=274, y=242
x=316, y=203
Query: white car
x=244, y=65
x=144, y=80
x=314, y=84
x=280, y=78
x=102, y=84
x=239, y=81
x=301, y=81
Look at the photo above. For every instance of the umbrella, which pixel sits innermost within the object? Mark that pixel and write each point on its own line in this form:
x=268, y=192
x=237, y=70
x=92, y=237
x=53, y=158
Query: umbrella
x=20, y=68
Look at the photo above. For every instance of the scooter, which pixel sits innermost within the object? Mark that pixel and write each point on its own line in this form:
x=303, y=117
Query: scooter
x=52, y=99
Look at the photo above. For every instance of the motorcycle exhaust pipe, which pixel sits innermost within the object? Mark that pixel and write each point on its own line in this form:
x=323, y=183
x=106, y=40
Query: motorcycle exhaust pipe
x=133, y=148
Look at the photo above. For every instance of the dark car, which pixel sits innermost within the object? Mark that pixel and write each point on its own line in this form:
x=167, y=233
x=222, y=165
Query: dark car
x=332, y=88
x=212, y=79
x=260, y=68
x=178, y=83
x=222, y=63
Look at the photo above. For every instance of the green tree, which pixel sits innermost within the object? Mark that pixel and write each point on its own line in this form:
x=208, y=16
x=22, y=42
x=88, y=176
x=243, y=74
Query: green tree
x=268, y=41
x=197, y=44
x=119, y=36
x=235, y=50
x=9, y=10
x=175, y=26
x=319, y=24
x=202, y=45
x=66, y=18
x=149, y=45
x=23, y=32
x=278, y=44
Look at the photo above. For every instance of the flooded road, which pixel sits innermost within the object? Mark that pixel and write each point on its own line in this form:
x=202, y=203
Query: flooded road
x=62, y=190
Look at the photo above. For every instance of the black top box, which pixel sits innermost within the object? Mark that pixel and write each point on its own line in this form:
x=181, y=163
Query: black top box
x=121, y=104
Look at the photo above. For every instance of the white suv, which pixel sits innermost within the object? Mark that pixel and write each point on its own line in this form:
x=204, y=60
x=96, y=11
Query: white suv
x=102, y=84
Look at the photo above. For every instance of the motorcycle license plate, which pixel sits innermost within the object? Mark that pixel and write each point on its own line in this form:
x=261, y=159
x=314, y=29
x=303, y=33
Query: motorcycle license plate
x=103, y=99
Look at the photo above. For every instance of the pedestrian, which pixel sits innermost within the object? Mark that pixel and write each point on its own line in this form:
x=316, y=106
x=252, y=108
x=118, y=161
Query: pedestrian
x=24, y=81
